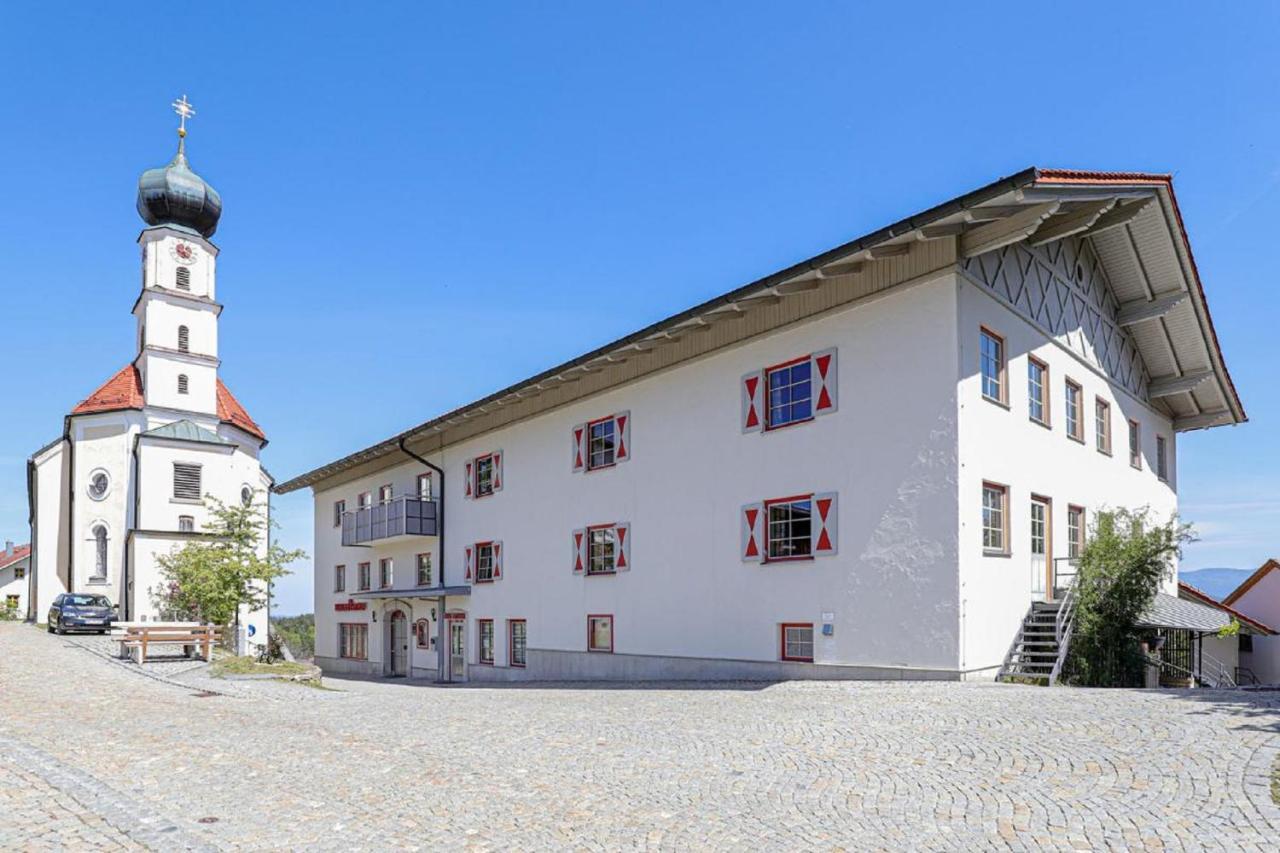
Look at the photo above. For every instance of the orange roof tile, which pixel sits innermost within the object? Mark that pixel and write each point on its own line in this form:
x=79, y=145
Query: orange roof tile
x=124, y=391
x=19, y=551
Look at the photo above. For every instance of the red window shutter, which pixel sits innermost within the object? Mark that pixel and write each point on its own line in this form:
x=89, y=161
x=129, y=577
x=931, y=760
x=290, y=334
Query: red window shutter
x=753, y=533
x=466, y=493
x=470, y=560
x=623, y=534
x=579, y=551
x=497, y=470
x=822, y=366
x=753, y=402
x=580, y=447
x=497, y=559
x=622, y=435
x=825, y=525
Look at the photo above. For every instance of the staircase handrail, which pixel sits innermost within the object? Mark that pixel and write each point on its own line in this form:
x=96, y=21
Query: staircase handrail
x=1062, y=625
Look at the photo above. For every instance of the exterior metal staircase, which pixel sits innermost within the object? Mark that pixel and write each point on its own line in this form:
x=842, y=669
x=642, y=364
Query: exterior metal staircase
x=1040, y=649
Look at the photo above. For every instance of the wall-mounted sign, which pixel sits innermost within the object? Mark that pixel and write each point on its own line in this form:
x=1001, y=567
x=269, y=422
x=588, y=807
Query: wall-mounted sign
x=350, y=604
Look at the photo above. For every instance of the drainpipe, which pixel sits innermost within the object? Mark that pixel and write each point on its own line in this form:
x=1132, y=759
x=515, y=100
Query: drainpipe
x=441, y=636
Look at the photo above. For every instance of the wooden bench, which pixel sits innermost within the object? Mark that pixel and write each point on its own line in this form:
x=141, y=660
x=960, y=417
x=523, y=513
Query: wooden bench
x=142, y=637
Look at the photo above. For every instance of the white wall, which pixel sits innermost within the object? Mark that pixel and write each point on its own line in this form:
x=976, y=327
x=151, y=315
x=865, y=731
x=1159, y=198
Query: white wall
x=1005, y=446
x=49, y=535
x=160, y=264
x=1262, y=602
x=889, y=452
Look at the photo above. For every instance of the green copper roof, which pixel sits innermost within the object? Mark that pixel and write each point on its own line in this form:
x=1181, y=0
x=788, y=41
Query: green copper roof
x=185, y=430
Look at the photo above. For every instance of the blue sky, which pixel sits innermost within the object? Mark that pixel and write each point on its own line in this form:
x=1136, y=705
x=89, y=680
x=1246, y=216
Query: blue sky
x=403, y=183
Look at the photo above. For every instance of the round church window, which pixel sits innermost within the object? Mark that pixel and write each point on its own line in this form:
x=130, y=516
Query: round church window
x=99, y=484
x=246, y=496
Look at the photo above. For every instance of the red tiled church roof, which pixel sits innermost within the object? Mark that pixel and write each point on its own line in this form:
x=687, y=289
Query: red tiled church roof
x=124, y=391
x=19, y=551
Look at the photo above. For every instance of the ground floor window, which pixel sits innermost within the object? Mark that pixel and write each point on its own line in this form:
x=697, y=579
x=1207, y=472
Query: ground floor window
x=353, y=641
x=600, y=633
x=422, y=632
x=485, y=627
x=11, y=603
x=995, y=518
x=797, y=641
x=518, y=632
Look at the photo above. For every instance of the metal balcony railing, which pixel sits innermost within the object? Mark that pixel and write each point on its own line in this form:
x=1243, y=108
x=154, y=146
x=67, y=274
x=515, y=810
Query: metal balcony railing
x=407, y=515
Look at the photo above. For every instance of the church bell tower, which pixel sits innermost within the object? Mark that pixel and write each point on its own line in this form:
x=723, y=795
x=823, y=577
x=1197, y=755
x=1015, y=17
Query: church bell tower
x=177, y=311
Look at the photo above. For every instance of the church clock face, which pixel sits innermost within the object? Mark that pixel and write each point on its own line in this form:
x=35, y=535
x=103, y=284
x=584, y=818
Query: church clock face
x=183, y=253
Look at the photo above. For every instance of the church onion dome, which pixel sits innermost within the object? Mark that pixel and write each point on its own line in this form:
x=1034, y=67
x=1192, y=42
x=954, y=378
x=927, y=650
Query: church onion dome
x=175, y=195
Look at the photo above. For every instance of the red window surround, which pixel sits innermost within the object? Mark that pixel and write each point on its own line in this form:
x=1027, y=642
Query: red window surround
x=782, y=639
x=812, y=521
x=769, y=427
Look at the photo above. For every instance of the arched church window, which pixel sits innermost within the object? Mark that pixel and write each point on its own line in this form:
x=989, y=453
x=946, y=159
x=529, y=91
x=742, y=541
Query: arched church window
x=100, y=552
x=182, y=383
x=184, y=339
x=183, y=278
x=186, y=524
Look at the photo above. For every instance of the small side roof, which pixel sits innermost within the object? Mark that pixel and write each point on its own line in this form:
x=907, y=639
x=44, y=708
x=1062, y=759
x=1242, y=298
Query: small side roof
x=1172, y=611
x=1186, y=590
x=20, y=552
x=185, y=430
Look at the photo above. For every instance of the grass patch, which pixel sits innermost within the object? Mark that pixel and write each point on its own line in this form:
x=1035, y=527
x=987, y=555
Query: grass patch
x=251, y=666
x=1275, y=783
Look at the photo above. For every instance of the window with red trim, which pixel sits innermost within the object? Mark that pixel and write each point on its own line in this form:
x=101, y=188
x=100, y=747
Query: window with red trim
x=601, y=443
x=797, y=641
x=600, y=632
x=384, y=494
x=484, y=562
x=790, y=393
x=789, y=528
x=602, y=550
x=484, y=475
x=422, y=632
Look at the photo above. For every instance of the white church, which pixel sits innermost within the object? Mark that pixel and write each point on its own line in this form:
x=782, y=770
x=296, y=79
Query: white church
x=126, y=480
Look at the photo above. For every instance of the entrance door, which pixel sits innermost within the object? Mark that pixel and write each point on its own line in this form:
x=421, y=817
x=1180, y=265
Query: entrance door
x=1039, y=546
x=399, y=644
x=457, y=649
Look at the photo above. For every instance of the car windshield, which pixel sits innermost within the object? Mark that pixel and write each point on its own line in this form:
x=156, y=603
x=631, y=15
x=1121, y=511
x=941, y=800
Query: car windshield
x=87, y=601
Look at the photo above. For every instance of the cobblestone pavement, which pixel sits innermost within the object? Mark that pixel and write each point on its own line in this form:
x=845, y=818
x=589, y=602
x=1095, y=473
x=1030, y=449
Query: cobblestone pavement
x=91, y=753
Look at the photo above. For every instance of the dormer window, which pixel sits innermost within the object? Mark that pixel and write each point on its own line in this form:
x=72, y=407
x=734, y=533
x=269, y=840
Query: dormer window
x=184, y=339
x=182, y=383
x=182, y=280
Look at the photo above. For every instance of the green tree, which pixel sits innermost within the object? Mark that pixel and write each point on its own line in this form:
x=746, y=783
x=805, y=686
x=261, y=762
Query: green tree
x=208, y=579
x=1120, y=571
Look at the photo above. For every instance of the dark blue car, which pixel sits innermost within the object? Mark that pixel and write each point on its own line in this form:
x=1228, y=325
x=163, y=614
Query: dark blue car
x=78, y=611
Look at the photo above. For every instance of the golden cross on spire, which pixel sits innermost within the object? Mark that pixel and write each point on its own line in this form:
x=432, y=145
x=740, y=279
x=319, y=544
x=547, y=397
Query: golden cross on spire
x=185, y=111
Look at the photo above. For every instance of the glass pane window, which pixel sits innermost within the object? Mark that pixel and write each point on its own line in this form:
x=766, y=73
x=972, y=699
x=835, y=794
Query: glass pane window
x=353, y=641
x=992, y=364
x=484, y=561
x=485, y=627
x=1074, y=427
x=600, y=633
x=339, y=507
x=1075, y=531
x=339, y=578
x=484, y=476
x=1039, y=529
x=993, y=518
x=1162, y=463
x=186, y=524
x=99, y=552
x=519, y=635
x=384, y=494
x=363, y=571
x=602, y=544
x=1102, y=425
x=1135, y=445
x=424, y=569
x=601, y=447
x=424, y=486
x=790, y=394
x=1037, y=389
x=797, y=642
x=790, y=526
x=386, y=572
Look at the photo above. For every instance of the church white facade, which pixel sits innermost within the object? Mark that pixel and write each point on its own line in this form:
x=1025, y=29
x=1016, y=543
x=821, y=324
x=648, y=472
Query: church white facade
x=127, y=480
x=867, y=465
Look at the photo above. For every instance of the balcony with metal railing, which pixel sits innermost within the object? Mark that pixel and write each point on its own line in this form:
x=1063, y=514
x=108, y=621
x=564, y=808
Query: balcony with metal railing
x=396, y=520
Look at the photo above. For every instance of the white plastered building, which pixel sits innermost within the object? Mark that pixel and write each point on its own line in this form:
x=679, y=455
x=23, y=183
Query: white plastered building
x=868, y=465
x=126, y=482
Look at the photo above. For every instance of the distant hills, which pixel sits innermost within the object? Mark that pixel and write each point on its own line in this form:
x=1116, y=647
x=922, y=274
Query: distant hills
x=1216, y=582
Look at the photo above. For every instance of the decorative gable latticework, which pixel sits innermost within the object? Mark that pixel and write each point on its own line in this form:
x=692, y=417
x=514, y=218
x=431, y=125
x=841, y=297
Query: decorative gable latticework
x=1062, y=287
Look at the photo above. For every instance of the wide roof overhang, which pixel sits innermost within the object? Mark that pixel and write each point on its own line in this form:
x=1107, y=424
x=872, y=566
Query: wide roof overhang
x=1132, y=220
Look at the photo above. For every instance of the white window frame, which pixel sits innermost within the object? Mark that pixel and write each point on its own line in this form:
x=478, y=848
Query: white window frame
x=602, y=550
x=419, y=563
x=1000, y=361
x=1038, y=390
x=1001, y=530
